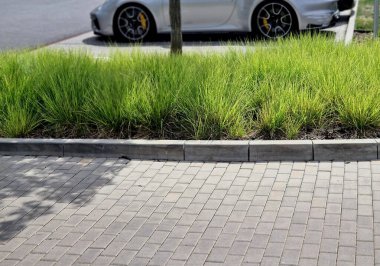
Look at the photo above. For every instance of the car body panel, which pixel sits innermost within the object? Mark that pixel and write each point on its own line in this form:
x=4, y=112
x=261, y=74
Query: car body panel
x=215, y=15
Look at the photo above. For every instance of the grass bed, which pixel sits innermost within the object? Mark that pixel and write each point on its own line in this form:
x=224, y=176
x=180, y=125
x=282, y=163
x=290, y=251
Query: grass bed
x=364, y=19
x=307, y=87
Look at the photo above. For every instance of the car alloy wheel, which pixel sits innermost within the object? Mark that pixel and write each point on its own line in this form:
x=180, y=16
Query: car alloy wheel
x=133, y=23
x=274, y=20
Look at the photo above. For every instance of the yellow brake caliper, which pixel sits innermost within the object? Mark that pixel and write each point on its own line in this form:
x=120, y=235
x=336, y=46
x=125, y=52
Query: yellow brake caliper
x=143, y=21
x=266, y=24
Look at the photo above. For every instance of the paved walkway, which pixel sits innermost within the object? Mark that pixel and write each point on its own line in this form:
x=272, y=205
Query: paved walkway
x=67, y=211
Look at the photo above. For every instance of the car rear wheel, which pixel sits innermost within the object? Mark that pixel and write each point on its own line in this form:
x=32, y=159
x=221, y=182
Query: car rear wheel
x=133, y=23
x=274, y=19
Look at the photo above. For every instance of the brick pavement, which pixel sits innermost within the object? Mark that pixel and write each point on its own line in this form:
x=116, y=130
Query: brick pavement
x=81, y=211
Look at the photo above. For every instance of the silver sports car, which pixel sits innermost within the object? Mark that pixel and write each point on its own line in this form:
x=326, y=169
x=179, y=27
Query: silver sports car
x=135, y=20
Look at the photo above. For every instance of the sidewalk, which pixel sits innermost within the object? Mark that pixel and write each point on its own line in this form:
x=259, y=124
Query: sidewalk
x=81, y=211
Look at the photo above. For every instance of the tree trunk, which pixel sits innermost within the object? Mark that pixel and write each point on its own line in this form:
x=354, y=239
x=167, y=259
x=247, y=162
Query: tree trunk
x=175, y=22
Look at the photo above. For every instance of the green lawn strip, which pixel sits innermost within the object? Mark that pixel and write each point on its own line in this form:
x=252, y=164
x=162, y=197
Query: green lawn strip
x=364, y=19
x=277, y=90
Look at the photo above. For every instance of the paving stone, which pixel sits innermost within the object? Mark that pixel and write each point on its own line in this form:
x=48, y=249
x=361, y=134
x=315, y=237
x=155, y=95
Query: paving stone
x=148, y=251
x=234, y=260
x=182, y=213
x=79, y=247
x=56, y=253
x=204, y=246
x=21, y=252
x=30, y=259
x=160, y=258
x=182, y=253
x=170, y=244
x=290, y=257
x=103, y=260
x=328, y=259
x=45, y=246
x=254, y=255
x=124, y=257
x=346, y=254
x=136, y=243
x=89, y=256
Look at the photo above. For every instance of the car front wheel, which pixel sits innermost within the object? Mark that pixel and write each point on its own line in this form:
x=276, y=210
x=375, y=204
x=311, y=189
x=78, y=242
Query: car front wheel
x=274, y=19
x=133, y=23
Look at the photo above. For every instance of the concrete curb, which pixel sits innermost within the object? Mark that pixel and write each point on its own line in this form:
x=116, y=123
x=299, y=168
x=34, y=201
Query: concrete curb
x=217, y=150
x=180, y=150
x=281, y=150
x=351, y=24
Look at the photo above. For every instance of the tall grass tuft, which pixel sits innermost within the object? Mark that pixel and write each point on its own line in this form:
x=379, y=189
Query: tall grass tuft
x=276, y=90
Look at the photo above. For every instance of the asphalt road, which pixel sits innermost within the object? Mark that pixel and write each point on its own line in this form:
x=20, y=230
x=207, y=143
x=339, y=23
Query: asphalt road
x=34, y=23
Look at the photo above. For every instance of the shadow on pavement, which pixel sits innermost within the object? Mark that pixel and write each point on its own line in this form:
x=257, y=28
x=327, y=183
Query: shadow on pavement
x=204, y=39
x=163, y=40
x=36, y=190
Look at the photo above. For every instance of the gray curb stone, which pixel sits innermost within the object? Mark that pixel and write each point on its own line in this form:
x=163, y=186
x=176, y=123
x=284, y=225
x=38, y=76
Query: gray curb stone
x=37, y=147
x=132, y=149
x=179, y=150
x=217, y=150
x=281, y=150
x=345, y=150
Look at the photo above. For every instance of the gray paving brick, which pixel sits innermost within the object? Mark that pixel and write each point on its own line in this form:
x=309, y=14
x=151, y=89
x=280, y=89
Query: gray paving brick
x=290, y=257
x=30, y=259
x=212, y=233
x=365, y=260
x=45, y=246
x=55, y=254
x=239, y=248
x=274, y=249
x=178, y=213
x=148, y=251
x=124, y=257
x=204, y=246
x=79, y=247
x=309, y=262
x=182, y=252
x=191, y=239
x=254, y=255
x=89, y=256
x=70, y=239
x=21, y=252
x=259, y=241
x=102, y=241
x=170, y=244
x=136, y=243
x=160, y=258
x=103, y=260
x=346, y=254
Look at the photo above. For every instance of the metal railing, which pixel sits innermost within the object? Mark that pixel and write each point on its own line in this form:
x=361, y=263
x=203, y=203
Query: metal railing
x=376, y=19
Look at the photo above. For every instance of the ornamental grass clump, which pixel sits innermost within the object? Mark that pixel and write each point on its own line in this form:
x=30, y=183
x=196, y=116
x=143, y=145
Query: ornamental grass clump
x=299, y=87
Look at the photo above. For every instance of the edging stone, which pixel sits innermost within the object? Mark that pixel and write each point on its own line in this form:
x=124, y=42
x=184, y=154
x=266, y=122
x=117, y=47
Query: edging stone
x=35, y=147
x=179, y=150
x=281, y=150
x=132, y=149
x=217, y=150
x=345, y=150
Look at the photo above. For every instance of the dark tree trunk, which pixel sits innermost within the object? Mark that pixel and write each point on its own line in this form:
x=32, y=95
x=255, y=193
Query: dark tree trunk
x=175, y=22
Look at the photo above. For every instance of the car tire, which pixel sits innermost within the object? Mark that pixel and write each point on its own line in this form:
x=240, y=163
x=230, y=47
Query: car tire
x=345, y=4
x=133, y=23
x=274, y=19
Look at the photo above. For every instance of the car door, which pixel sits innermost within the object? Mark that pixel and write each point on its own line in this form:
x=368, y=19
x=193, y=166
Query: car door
x=202, y=14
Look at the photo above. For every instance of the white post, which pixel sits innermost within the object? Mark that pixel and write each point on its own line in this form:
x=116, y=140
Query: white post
x=376, y=19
